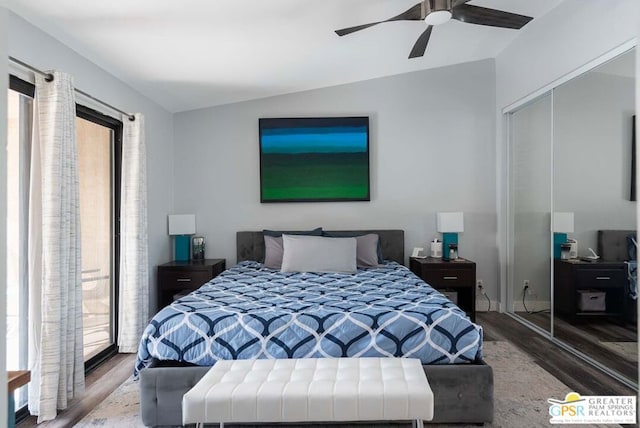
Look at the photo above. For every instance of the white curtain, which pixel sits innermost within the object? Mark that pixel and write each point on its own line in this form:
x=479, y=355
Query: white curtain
x=55, y=284
x=133, y=309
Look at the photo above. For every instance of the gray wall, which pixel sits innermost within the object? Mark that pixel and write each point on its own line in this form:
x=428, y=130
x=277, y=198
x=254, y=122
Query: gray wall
x=592, y=154
x=37, y=48
x=432, y=149
x=3, y=209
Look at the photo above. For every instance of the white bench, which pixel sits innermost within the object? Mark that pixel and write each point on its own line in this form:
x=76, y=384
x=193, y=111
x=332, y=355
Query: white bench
x=310, y=390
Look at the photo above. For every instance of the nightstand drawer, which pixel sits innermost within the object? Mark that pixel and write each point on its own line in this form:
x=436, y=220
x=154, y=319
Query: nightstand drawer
x=179, y=280
x=449, y=277
x=600, y=278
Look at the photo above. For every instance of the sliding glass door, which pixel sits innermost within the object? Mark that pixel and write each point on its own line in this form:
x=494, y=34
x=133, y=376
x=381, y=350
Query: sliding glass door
x=20, y=107
x=96, y=161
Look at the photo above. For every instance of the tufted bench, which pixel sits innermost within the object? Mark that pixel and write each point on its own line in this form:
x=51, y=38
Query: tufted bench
x=310, y=390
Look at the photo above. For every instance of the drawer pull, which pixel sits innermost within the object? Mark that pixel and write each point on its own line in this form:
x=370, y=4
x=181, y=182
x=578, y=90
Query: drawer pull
x=603, y=278
x=183, y=279
x=450, y=277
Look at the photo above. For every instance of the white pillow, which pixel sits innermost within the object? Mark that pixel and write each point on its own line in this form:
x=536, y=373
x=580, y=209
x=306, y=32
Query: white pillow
x=318, y=254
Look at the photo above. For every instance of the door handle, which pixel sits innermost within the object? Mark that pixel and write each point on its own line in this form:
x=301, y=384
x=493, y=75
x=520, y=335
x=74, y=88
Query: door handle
x=603, y=278
x=183, y=279
x=450, y=277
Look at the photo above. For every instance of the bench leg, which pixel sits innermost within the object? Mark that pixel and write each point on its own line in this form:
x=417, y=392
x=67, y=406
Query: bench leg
x=419, y=423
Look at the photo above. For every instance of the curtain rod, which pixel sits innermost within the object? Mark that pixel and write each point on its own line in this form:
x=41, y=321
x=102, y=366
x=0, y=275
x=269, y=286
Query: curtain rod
x=49, y=77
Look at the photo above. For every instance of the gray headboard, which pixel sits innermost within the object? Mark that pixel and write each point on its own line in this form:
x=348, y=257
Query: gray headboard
x=250, y=245
x=612, y=245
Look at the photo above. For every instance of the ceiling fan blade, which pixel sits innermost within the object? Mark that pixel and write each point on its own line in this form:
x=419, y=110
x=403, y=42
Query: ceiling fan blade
x=412, y=14
x=491, y=17
x=421, y=44
x=345, y=31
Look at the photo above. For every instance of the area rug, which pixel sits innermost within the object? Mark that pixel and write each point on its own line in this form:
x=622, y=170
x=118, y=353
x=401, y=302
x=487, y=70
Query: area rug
x=521, y=390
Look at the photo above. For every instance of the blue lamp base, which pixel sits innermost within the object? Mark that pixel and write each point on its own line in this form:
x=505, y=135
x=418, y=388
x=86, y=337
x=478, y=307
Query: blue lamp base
x=182, y=248
x=558, y=238
x=448, y=238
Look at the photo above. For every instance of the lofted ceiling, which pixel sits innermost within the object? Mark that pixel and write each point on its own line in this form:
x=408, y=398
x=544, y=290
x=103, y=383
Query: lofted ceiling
x=190, y=54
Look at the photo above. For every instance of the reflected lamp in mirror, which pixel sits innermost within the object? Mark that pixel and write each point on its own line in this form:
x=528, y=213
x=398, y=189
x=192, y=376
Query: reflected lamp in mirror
x=181, y=227
x=562, y=224
x=450, y=224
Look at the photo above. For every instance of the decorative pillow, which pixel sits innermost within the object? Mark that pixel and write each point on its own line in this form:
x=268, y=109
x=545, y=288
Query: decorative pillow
x=273, y=250
x=367, y=250
x=273, y=245
x=632, y=246
x=348, y=234
x=318, y=254
x=315, y=232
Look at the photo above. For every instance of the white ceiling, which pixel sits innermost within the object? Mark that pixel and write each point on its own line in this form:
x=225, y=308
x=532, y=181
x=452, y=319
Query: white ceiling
x=191, y=54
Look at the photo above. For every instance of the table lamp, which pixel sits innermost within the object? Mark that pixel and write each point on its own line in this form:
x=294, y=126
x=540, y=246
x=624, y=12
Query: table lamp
x=562, y=224
x=181, y=226
x=449, y=224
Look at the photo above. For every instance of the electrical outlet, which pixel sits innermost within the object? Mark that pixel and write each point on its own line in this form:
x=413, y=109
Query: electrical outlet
x=479, y=284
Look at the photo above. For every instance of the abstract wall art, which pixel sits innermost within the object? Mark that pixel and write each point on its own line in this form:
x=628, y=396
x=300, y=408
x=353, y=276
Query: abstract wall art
x=314, y=159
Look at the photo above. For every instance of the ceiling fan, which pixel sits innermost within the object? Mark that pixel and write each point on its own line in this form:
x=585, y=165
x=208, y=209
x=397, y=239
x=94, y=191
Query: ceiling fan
x=436, y=12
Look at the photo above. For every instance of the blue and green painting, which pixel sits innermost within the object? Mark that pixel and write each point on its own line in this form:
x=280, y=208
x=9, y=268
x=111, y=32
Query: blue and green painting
x=314, y=159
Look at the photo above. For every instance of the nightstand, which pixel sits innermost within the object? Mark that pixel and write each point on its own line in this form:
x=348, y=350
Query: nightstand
x=573, y=277
x=176, y=277
x=455, y=275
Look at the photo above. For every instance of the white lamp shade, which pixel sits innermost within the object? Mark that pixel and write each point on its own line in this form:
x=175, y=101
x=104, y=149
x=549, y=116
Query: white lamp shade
x=563, y=222
x=182, y=224
x=450, y=222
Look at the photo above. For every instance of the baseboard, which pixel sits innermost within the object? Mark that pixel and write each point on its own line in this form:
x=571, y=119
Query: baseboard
x=482, y=304
x=532, y=305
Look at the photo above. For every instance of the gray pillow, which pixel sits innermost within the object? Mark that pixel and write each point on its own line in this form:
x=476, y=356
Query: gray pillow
x=315, y=232
x=273, y=245
x=367, y=250
x=273, y=252
x=319, y=254
x=351, y=234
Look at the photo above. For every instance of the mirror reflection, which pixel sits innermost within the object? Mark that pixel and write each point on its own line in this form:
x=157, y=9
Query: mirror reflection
x=594, y=300
x=530, y=207
x=572, y=214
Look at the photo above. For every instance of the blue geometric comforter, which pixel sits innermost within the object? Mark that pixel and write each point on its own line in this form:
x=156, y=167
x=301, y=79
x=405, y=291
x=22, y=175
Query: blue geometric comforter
x=250, y=311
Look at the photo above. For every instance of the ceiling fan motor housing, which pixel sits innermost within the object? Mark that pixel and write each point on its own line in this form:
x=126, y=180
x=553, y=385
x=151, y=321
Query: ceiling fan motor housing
x=429, y=6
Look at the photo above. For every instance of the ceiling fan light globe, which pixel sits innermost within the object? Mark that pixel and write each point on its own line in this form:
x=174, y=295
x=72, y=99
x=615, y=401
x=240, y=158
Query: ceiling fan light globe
x=438, y=17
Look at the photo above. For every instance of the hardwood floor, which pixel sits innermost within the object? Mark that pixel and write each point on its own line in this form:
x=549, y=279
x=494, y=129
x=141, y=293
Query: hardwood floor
x=98, y=385
x=567, y=368
x=591, y=336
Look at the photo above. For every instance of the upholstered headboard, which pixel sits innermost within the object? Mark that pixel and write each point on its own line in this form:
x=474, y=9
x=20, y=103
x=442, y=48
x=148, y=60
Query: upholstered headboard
x=612, y=244
x=250, y=245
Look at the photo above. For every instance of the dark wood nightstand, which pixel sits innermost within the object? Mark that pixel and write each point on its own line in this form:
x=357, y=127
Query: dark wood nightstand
x=571, y=277
x=175, y=277
x=455, y=275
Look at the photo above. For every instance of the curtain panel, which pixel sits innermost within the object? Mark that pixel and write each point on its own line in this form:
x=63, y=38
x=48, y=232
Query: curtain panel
x=55, y=282
x=133, y=306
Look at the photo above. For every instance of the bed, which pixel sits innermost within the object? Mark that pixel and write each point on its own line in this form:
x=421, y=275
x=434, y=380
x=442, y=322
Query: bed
x=251, y=311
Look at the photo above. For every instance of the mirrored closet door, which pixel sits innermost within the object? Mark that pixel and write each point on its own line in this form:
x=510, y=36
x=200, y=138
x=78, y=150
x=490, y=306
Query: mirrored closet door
x=572, y=220
x=530, y=205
